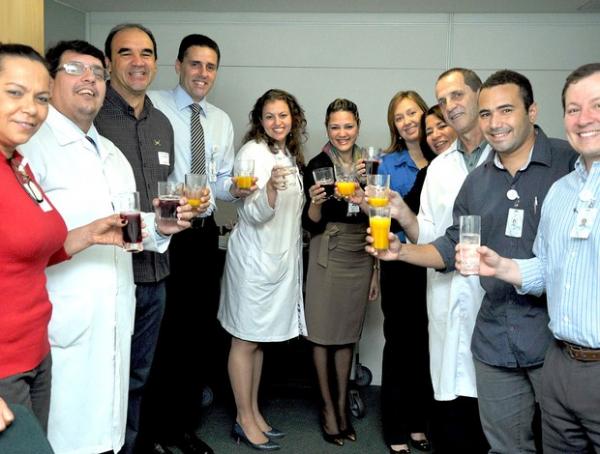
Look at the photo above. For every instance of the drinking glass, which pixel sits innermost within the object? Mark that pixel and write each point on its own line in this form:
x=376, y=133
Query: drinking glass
x=345, y=181
x=371, y=156
x=169, y=195
x=470, y=240
x=324, y=178
x=127, y=204
x=380, y=222
x=378, y=190
x=244, y=173
x=194, y=188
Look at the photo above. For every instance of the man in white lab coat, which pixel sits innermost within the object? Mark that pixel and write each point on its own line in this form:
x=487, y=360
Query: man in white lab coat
x=93, y=293
x=453, y=300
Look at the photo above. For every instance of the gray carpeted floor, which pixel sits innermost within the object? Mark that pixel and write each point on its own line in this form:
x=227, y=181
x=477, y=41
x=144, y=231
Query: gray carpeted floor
x=296, y=412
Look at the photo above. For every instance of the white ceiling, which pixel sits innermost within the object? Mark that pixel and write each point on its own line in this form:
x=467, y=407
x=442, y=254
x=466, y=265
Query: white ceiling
x=339, y=6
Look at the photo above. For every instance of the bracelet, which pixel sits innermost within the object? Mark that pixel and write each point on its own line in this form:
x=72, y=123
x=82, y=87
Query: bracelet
x=376, y=266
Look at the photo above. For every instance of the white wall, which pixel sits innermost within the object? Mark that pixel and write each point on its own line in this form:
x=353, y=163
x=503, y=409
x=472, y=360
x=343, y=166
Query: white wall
x=62, y=22
x=367, y=58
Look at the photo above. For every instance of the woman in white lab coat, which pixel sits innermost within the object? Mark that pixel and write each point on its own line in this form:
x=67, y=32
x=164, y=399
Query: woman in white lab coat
x=261, y=297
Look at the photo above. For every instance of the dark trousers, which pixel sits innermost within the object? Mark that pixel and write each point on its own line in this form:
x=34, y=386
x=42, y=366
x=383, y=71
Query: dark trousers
x=183, y=353
x=150, y=301
x=30, y=389
x=570, y=403
x=456, y=427
x=406, y=389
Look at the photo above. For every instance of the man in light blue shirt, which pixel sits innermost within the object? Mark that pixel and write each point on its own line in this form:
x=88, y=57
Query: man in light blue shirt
x=189, y=329
x=567, y=267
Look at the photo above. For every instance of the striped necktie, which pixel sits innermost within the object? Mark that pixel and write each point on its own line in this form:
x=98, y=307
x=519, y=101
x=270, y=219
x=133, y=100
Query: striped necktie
x=197, y=135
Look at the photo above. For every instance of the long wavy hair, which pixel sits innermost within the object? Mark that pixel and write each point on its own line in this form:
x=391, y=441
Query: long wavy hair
x=297, y=136
x=396, y=141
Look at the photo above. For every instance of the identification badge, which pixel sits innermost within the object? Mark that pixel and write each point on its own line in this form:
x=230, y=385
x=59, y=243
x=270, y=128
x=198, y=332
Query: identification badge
x=584, y=222
x=353, y=209
x=45, y=206
x=514, y=223
x=163, y=158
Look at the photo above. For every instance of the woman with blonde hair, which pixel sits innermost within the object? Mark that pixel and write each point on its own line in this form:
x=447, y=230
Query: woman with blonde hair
x=406, y=389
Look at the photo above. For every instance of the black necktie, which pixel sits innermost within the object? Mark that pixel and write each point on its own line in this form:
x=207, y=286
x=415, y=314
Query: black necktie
x=197, y=135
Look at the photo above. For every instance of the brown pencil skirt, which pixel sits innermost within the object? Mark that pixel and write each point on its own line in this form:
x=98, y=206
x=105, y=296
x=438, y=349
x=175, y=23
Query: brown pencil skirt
x=337, y=284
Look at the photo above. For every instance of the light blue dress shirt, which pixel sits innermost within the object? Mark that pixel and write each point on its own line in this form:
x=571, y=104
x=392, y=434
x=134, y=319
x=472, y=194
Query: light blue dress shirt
x=568, y=268
x=218, y=139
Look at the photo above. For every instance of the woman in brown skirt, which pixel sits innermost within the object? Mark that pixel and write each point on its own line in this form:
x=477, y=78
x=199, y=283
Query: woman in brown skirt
x=341, y=276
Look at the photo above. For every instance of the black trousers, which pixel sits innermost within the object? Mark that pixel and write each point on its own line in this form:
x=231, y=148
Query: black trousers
x=406, y=389
x=456, y=427
x=185, y=349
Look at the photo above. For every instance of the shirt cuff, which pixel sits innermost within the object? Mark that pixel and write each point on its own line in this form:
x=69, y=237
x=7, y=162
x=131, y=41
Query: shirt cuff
x=532, y=277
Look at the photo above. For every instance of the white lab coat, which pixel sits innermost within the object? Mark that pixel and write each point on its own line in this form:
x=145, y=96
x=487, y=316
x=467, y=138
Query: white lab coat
x=453, y=300
x=261, y=293
x=93, y=294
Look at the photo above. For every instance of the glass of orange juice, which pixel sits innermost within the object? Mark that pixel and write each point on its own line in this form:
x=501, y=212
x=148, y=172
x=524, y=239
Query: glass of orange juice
x=378, y=190
x=244, y=173
x=380, y=221
x=195, y=188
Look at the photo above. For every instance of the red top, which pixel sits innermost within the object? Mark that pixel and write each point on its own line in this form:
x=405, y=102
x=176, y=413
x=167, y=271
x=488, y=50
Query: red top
x=32, y=235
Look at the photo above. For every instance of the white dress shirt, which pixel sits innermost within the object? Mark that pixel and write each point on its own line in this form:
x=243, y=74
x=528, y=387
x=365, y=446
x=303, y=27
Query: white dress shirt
x=218, y=139
x=93, y=294
x=453, y=300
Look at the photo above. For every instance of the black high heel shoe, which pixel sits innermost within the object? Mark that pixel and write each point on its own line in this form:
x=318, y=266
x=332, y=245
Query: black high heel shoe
x=238, y=434
x=274, y=433
x=349, y=433
x=421, y=445
x=335, y=439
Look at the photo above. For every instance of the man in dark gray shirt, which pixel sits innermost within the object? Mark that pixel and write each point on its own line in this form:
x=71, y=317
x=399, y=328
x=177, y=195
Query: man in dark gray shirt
x=511, y=333
x=145, y=136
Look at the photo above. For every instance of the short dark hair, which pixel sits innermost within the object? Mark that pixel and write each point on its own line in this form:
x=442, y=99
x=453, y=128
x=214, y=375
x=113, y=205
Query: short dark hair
x=470, y=77
x=117, y=28
x=580, y=73
x=505, y=77
x=197, y=40
x=81, y=47
x=20, y=50
x=342, y=105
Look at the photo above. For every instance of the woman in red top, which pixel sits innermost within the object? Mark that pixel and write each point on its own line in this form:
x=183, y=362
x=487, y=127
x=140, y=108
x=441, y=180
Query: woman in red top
x=32, y=237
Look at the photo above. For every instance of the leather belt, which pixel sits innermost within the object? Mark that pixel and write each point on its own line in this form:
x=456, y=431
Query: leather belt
x=581, y=353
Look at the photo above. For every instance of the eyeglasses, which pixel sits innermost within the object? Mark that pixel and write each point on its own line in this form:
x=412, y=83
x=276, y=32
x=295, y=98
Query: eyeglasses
x=30, y=186
x=76, y=68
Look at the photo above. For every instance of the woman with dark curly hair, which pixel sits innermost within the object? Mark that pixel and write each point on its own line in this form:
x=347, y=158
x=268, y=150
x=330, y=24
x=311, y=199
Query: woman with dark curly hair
x=261, y=297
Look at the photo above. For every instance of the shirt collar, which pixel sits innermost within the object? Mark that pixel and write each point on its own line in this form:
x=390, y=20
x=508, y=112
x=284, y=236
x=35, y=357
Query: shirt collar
x=183, y=100
x=581, y=170
x=461, y=148
x=66, y=132
x=402, y=158
x=539, y=153
x=115, y=98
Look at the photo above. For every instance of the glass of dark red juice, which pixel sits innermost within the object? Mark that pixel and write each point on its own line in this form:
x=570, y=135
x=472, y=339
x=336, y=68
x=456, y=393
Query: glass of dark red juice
x=128, y=207
x=169, y=195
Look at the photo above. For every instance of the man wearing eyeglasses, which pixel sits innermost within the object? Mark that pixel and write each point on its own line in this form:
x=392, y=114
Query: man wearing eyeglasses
x=93, y=293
